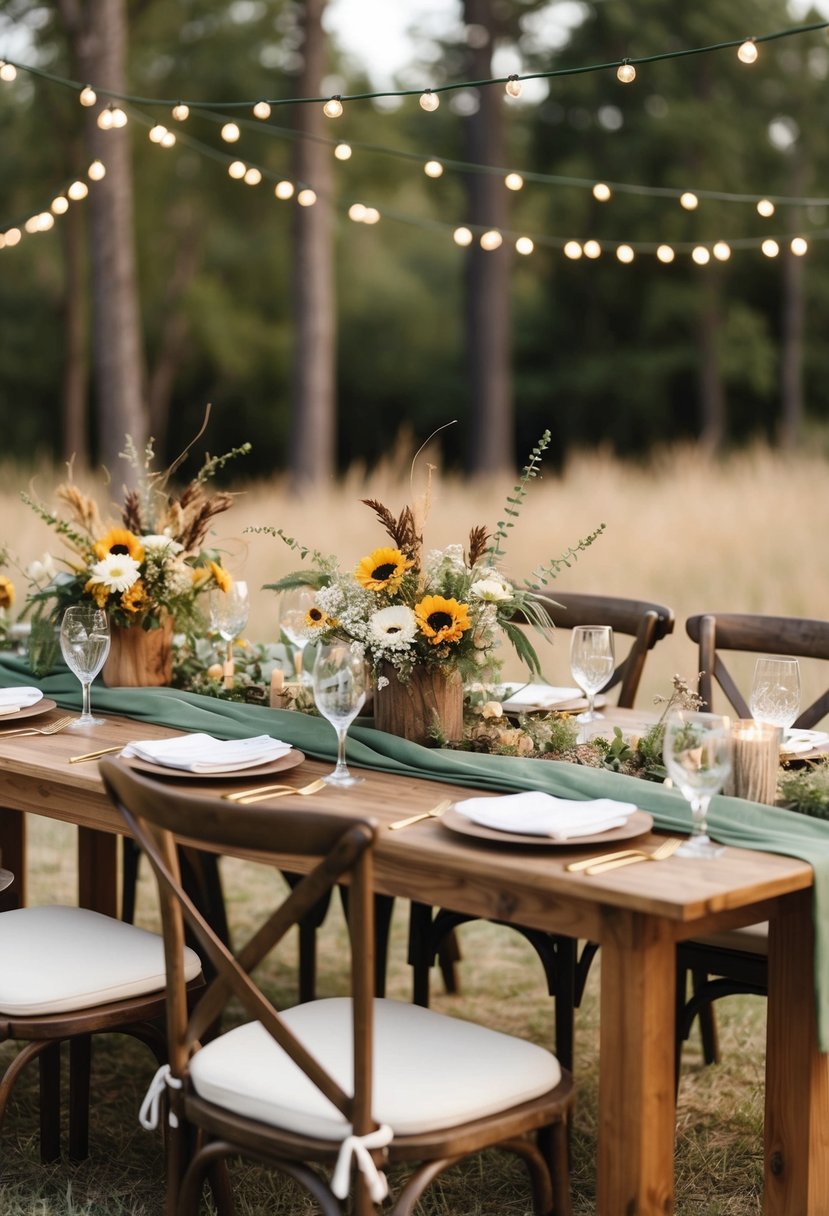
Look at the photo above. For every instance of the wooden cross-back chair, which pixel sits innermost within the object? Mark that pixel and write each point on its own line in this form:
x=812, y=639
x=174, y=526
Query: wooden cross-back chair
x=737, y=962
x=645, y=623
x=330, y=1084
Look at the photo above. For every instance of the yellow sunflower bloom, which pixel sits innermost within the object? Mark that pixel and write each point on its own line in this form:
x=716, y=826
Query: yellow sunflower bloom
x=315, y=618
x=224, y=581
x=135, y=599
x=99, y=593
x=442, y=620
x=6, y=592
x=119, y=541
x=383, y=570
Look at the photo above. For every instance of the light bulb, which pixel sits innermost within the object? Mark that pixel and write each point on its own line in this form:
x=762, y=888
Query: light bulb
x=429, y=101
x=721, y=251
x=180, y=112
x=765, y=207
x=306, y=197
x=237, y=170
x=433, y=168
x=372, y=216
x=688, y=200
x=770, y=248
x=262, y=110
x=701, y=255
x=625, y=254
x=333, y=108
x=601, y=192
x=513, y=87
x=572, y=250
x=2, y=240
x=514, y=181
x=119, y=117
x=96, y=171
x=799, y=246
x=31, y=224
x=45, y=221
x=524, y=245
x=491, y=240
x=8, y=72
x=343, y=151
x=253, y=176
x=665, y=254
x=104, y=119
x=592, y=249
x=168, y=139
x=626, y=73
x=747, y=52
x=77, y=191
x=230, y=132
x=284, y=190
x=87, y=96
x=60, y=205
x=156, y=133
x=13, y=236
x=462, y=236
x=357, y=212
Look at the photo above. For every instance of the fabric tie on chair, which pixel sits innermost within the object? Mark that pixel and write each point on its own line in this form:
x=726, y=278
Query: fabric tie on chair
x=357, y=1148
x=150, y=1110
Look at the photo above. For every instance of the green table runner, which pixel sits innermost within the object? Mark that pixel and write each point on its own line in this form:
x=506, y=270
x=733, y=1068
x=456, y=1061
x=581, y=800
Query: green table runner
x=731, y=820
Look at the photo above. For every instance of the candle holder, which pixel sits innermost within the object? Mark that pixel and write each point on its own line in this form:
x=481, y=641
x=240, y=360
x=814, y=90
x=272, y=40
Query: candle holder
x=755, y=761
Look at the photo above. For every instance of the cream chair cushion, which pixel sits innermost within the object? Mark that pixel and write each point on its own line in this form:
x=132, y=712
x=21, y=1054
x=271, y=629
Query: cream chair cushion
x=752, y=939
x=56, y=959
x=430, y=1071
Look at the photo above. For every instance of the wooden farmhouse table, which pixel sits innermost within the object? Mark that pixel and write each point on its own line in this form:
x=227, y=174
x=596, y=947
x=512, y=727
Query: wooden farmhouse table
x=637, y=914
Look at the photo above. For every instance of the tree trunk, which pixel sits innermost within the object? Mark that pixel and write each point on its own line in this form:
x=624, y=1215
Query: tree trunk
x=76, y=313
x=313, y=421
x=98, y=39
x=791, y=358
x=487, y=307
x=711, y=392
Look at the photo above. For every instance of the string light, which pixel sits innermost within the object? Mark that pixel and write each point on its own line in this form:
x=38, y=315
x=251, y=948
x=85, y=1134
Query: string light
x=343, y=151
x=156, y=133
x=357, y=212
x=748, y=52
x=433, y=168
x=306, y=197
x=601, y=192
x=462, y=236
x=45, y=221
x=60, y=205
x=333, y=108
x=491, y=240
x=688, y=200
x=372, y=216
x=701, y=255
x=104, y=119
x=429, y=101
x=8, y=72
x=514, y=181
x=87, y=96
x=96, y=171
x=524, y=246
x=119, y=117
x=625, y=254
x=722, y=251
x=77, y=191
x=770, y=248
x=513, y=88
x=592, y=249
x=31, y=224
x=261, y=110
x=765, y=207
x=180, y=112
x=665, y=254
x=252, y=176
x=626, y=72
x=799, y=246
x=572, y=250
x=230, y=133
x=168, y=139
x=237, y=170
x=284, y=190
x=13, y=237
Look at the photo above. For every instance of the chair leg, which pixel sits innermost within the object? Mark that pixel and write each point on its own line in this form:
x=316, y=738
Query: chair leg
x=130, y=858
x=449, y=953
x=420, y=931
x=80, y=1061
x=49, y=1061
x=707, y=1023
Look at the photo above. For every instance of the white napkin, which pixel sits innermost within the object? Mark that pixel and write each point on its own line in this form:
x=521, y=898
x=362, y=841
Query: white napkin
x=536, y=814
x=539, y=696
x=204, y=754
x=12, y=700
x=795, y=741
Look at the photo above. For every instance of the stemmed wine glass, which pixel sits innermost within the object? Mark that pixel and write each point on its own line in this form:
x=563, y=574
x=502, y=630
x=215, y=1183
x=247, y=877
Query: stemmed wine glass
x=228, y=616
x=697, y=755
x=340, y=691
x=775, y=691
x=591, y=663
x=293, y=612
x=84, y=643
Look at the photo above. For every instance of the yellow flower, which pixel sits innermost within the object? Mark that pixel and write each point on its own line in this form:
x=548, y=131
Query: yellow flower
x=6, y=592
x=442, y=620
x=99, y=593
x=119, y=541
x=223, y=580
x=135, y=599
x=315, y=618
x=383, y=570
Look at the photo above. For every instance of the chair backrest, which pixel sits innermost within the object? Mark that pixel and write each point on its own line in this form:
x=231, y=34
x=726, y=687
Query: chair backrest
x=783, y=635
x=331, y=848
x=646, y=623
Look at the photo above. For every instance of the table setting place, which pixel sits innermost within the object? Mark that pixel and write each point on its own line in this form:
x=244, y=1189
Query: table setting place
x=201, y=756
x=23, y=702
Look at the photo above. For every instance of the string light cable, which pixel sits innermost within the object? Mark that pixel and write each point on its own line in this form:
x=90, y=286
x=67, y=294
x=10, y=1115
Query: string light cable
x=71, y=192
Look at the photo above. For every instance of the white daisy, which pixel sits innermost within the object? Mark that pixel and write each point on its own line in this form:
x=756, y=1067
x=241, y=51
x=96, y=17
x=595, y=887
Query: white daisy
x=491, y=590
x=392, y=628
x=116, y=571
x=157, y=542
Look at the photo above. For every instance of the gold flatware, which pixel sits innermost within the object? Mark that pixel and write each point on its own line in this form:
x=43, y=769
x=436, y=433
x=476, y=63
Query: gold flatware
x=53, y=728
x=104, y=751
x=662, y=853
x=263, y=792
x=587, y=862
x=434, y=813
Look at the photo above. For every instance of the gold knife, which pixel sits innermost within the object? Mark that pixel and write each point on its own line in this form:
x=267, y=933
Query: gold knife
x=105, y=751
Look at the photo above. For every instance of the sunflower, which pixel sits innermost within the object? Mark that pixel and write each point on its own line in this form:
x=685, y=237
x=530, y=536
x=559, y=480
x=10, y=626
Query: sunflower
x=6, y=592
x=383, y=570
x=135, y=599
x=121, y=543
x=442, y=620
x=223, y=580
x=99, y=593
x=316, y=619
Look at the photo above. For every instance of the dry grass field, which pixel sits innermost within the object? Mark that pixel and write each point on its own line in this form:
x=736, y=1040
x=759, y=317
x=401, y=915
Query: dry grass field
x=743, y=534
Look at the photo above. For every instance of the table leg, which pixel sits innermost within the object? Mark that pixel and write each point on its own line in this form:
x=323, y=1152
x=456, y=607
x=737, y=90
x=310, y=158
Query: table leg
x=797, y=1075
x=637, y=1106
x=13, y=854
x=98, y=871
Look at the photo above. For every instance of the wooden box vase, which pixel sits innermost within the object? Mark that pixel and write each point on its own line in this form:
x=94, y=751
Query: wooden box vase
x=139, y=658
x=425, y=708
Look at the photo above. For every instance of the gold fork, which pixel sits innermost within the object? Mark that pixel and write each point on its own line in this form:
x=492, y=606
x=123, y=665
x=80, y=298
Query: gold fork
x=665, y=850
x=261, y=792
x=52, y=729
x=434, y=813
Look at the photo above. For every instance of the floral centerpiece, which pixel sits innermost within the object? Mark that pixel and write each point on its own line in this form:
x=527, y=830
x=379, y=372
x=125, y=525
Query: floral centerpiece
x=426, y=619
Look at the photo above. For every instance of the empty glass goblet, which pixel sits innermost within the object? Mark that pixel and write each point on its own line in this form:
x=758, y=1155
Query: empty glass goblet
x=340, y=683
x=294, y=605
x=591, y=663
x=229, y=612
x=697, y=755
x=84, y=643
x=775, y=691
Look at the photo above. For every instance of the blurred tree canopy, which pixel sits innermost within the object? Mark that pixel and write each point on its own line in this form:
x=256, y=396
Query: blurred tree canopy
x=601, y=352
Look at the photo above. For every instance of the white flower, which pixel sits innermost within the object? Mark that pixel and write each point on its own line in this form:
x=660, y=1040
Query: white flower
x=157, y=542
x=492, y=590
x=42, y=570
x=392, y=628
x=492, y=709
x=117, y=571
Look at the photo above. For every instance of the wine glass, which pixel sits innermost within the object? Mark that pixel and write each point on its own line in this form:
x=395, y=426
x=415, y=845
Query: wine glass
x=775, y=691
x=293, y=612
x=84, y=643
x=340, y=692
x=697, y=755
x=591, y=663
x=228, y=616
